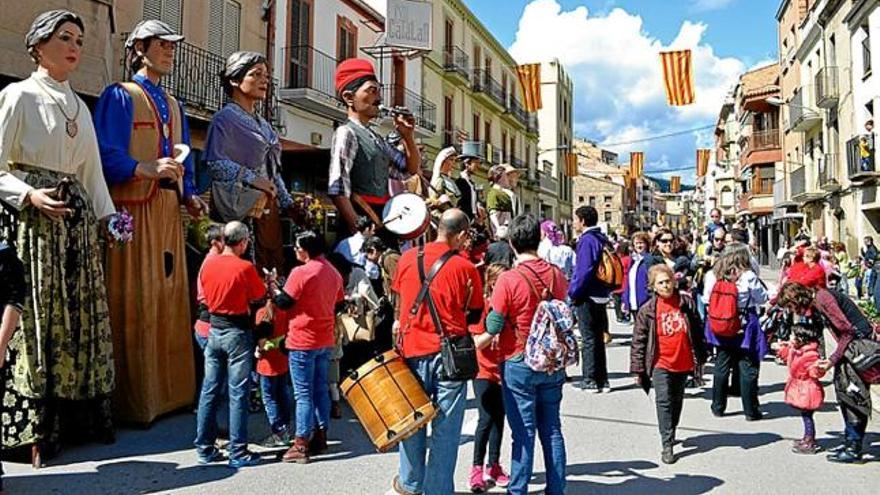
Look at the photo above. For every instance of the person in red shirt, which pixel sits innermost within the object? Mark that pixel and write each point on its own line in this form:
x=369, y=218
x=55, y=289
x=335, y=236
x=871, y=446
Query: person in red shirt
x=808, y=273
x=230, y=287
x=490, y=403
x=312, y=292
x=532, y=398
x=667, y=347
x=457, y=294
x=214, y=236
x=272, y=368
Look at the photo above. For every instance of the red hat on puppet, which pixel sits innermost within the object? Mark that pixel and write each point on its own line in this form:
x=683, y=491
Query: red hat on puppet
x=352, y=69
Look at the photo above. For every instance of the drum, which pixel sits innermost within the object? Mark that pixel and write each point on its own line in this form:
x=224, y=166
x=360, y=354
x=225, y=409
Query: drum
x=388, y=400
x=406, y=215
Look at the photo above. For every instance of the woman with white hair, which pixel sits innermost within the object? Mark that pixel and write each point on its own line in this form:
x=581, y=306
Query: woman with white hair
x=444, y=191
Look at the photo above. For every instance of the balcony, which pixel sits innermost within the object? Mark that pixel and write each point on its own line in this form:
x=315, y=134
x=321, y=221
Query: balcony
x=547, y=182
x=423, y=110
x=518, y=112
x=764, y=140
x=484, y=83
x=309, y=81
x=517, y=162
x=532, y=124
x=456, y=62
x=803, y=186
x=827, y=87
x=829, y=174
x=801, y=118
x=861, y=169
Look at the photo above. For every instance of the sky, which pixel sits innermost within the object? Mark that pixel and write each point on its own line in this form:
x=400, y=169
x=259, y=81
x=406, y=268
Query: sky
x=610, y=48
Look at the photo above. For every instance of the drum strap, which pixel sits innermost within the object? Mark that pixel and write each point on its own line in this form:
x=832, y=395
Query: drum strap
x=424, y=293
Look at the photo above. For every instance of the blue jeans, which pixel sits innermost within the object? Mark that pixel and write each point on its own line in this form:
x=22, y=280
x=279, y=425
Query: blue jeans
x=531, y=402
x=276, y=400
x=436, y=477
x=229, y=355
x=309, y=371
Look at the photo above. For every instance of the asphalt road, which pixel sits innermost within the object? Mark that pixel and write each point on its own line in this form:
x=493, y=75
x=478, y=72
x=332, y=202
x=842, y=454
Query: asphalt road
x=612, y=443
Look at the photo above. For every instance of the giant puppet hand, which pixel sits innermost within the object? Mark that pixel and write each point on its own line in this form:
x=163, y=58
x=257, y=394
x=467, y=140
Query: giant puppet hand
x=163, y=168
x=195, y=206
x=405, y=125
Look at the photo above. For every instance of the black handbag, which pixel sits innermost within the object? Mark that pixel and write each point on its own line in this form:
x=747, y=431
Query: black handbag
x=863, y=354
x=458, y=353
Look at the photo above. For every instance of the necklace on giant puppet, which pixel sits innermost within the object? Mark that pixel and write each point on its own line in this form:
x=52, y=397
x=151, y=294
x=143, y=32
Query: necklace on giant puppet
x=70, y=125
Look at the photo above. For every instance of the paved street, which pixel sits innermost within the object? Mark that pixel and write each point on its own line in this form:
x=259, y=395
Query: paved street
x=612, y=443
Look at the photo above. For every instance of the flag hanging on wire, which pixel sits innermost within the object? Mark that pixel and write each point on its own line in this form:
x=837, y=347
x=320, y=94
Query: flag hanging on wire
x=636, y=164
x=675, y=184
x=703, y=161
x=678, y=76
x=530, y=81
x=571, y=164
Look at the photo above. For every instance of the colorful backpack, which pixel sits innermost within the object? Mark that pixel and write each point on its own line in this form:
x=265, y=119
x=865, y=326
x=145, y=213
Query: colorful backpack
x=551, y=345
x=609, y=272
x=723, y=314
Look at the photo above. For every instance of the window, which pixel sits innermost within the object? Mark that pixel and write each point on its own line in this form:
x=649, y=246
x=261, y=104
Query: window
x=580, y=199
x=476, y=126
x=512, y=147
x=593, y=201
x=346, y=39
x=503, y=145
x=477, y=56
x=167, y=11
x=488, y=128
x=607, y=217
x=866, y=52
x=447, y=122
x=608, y=200
x=447, y=35
x=299, y=70
x=224, y=21
x=726, y=197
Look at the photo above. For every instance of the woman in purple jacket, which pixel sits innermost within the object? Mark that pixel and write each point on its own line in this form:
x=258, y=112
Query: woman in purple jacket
x=635, y=284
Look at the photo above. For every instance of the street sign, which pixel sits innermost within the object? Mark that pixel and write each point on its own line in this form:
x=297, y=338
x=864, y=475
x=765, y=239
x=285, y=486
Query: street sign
x=408, y=24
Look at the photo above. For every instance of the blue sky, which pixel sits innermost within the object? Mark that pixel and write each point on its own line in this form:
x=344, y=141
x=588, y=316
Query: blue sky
x=610, y=49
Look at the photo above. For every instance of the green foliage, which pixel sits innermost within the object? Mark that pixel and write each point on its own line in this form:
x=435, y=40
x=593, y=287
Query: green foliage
x=870, y=311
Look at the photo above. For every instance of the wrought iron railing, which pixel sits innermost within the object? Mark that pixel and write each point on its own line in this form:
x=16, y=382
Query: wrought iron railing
x=798, y=182
x=828, y=177
x=827, y=88
x=456, y=60
x=518, y=111
x=762, y=140
x=859, y=166
x=483, y=82
x=309, y=68
x=423, y=110
x=532, y=123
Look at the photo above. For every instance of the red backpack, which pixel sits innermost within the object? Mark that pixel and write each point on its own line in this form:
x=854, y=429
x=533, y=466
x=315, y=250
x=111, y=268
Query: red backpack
x=723, y=313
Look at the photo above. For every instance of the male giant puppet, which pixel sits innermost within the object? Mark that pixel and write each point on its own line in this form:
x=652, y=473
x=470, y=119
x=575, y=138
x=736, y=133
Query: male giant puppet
x=138, y=124
x=361, y=162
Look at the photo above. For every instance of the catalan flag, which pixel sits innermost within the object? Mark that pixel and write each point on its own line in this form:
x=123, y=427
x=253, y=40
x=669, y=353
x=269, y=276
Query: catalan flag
x=530, y=81
x=675, y=184
x=678, y=76
x=571, y=164
x=703, y=161
x=636, y=164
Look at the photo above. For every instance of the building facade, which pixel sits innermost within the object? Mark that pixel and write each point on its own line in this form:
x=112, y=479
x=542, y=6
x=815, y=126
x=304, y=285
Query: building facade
x=555, y=123
x=600, y=183
x=720, y=183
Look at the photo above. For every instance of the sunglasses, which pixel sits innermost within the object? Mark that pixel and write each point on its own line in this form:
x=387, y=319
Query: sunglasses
x=664, y=241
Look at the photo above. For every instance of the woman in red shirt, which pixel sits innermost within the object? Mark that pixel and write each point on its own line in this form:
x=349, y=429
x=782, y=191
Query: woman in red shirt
x=667, y=346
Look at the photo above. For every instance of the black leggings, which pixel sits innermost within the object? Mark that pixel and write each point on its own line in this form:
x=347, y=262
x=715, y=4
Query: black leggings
x=490, y=427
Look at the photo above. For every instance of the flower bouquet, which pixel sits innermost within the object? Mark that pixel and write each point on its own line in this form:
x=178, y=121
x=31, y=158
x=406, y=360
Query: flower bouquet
x=121, y=227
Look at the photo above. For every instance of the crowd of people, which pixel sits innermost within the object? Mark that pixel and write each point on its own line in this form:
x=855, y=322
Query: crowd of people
x=489, y=294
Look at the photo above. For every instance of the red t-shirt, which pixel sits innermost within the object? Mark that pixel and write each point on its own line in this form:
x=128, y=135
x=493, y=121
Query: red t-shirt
x=456, y=289
x=515, y=299
x=673, y=342
x=489, y=357
x=274, y=362
x=202, y=327
x=316, y=288
x=229, y=284
x=813, y=277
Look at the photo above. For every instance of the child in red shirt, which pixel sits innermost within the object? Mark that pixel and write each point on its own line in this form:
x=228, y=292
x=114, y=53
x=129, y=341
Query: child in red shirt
x=802, y=388
x=274, y=372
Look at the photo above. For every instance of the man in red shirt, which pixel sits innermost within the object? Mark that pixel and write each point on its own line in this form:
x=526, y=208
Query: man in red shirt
x=457, y=293
x=230, y=286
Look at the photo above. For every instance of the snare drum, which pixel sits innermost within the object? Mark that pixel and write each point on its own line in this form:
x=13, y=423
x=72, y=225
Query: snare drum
x=406, y=215
x=388, y=400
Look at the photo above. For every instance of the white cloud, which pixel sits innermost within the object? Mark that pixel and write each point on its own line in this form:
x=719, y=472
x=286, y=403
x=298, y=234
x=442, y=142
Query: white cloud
x=619, y=92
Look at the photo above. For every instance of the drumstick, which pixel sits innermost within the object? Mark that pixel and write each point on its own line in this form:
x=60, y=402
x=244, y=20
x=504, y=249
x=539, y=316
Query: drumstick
x=367, y=209
x=404, y=211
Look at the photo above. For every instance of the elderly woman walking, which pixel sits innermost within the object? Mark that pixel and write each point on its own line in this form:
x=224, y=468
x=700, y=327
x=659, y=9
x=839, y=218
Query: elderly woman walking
x=667, y=347
x=53, y=191
x=554, y=250
x=748, y=347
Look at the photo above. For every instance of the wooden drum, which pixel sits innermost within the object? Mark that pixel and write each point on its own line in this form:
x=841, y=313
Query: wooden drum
x=388, y=400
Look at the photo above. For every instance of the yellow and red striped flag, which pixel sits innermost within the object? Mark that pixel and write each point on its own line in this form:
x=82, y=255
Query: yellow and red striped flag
x=703, y=155
x=678, y=76
x=636, y=164
x=675, y=184
x=571, y=164
x=530, y=81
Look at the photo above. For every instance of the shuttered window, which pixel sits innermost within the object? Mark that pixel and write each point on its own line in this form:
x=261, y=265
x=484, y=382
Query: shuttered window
x=167, y=11
x=224, y=27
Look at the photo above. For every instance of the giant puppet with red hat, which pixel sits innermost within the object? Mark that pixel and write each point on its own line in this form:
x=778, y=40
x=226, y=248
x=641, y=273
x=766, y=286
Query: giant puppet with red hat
x=362, y=162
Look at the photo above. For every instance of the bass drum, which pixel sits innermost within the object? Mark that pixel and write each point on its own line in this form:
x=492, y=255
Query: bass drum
x=406, y=216
x=388, y=400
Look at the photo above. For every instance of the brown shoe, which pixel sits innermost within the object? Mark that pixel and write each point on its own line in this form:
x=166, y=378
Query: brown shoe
x=318, y=443
x=298, y=453
x=396, y=488
x=335, y=410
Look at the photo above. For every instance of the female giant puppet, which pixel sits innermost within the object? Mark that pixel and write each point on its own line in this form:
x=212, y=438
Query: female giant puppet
x=60, y=373
x=138, y=125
